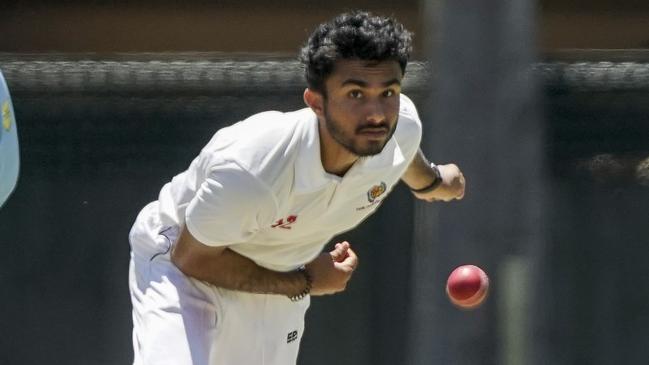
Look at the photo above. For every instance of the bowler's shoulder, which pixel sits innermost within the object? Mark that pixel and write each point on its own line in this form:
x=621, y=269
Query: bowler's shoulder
x=259, y=131
x=263, y=142
x=409, y=129
x=408, y=110
x=273, y=131
x=268, y=124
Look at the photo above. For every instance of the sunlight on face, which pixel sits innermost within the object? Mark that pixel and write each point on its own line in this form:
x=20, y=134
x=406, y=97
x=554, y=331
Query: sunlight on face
x=362, y=104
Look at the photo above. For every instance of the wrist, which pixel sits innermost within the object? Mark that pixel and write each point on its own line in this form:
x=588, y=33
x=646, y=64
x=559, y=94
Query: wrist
x=308, y=283
x=437, y=181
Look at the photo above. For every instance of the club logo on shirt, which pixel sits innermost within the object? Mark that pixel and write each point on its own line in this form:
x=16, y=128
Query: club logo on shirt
x=373, y=196
x=376, y=191
x=6, y=116
x=285, y=223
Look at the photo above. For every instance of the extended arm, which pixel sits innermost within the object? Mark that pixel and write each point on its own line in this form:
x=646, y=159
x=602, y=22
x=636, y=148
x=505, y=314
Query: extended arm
x=225, y=268
x=421, y=174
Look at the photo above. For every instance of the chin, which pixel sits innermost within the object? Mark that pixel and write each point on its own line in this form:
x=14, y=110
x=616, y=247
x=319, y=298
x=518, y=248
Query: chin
x=370, y=150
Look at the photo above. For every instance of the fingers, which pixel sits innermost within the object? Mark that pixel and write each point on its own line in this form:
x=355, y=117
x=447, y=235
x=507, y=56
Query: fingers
x=344, y=245
x=344, y=257
x=331, y=271
x=339, y=253
x=349, y=264
x=455, y=182
x=351, y=260
x=462, y=182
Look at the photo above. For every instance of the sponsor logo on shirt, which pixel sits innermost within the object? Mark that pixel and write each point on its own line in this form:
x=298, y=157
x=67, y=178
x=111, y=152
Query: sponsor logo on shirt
x=285, y=223
x=292, y=336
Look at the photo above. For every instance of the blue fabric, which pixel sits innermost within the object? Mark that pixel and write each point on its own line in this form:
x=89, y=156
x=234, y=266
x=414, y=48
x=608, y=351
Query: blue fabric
x=9, y=156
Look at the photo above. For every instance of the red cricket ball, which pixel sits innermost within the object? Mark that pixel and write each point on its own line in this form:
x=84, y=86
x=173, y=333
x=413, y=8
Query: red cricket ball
x=467, y=286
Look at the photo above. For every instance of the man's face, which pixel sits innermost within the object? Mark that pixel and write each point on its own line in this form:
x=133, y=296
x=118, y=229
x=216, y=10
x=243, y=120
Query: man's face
x=361, y=106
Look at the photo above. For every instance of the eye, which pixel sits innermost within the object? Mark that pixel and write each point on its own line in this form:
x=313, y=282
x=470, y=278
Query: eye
x=355, y=94
x=389, y=92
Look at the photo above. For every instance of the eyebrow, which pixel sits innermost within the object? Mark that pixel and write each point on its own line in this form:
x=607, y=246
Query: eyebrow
x=362, y=83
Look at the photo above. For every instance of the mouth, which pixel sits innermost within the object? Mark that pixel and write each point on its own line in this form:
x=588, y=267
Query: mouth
x=373, y=132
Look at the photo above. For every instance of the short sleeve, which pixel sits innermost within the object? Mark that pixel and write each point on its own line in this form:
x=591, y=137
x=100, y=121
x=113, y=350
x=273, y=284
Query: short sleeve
x=229, y=207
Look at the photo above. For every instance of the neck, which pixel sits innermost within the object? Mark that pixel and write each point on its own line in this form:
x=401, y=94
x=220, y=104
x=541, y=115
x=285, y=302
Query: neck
x=336, y=159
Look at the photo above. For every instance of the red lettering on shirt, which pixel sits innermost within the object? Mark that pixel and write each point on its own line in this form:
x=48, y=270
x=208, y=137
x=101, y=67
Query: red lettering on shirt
x=285, y=225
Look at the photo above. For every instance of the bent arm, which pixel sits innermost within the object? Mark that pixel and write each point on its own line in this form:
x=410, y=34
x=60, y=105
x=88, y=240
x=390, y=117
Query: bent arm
x=227, y=208
x=420, y=174
x=227, y=269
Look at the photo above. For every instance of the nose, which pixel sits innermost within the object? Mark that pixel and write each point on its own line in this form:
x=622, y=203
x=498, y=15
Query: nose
x=375, y=113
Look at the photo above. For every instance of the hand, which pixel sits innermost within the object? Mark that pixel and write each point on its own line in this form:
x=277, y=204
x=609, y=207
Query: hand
x=331, y=271
x=452, y=186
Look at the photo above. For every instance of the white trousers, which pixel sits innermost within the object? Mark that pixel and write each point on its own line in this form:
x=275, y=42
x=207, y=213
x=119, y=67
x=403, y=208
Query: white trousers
x=183, y=321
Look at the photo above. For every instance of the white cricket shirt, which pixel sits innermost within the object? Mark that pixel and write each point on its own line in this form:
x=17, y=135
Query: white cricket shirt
x=259, y=187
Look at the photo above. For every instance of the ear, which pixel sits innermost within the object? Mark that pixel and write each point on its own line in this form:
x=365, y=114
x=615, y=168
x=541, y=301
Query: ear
x=315, y=101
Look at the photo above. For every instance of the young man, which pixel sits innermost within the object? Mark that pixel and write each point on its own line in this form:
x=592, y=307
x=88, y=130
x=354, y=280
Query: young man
x=225, y=261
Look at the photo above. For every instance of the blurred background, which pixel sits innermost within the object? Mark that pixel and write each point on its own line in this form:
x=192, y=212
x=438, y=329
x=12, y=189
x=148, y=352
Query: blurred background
x=543, y=104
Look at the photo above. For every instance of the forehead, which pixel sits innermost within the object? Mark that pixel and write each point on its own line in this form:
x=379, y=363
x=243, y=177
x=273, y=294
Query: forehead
x=369, y=71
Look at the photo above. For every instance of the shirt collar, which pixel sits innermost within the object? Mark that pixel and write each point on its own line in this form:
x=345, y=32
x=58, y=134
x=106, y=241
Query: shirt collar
x=390, y=156
x=310, y=175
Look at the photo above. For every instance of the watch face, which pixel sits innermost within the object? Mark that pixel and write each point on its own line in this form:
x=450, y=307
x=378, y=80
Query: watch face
x=9, y=154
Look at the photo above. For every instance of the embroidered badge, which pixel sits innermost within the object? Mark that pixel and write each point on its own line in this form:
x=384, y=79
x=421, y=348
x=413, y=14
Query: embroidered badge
x=376, y=191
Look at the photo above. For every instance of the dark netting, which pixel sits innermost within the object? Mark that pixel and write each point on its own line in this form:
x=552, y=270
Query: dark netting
x=604, y=76
x=174, y=74
x=595, y=110
x=215, y=73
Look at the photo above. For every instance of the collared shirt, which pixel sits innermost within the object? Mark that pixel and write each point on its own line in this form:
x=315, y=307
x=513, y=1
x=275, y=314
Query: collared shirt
x=259, y=187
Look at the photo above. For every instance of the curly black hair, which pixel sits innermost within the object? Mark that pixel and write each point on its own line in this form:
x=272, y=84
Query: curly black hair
x=354, y=35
